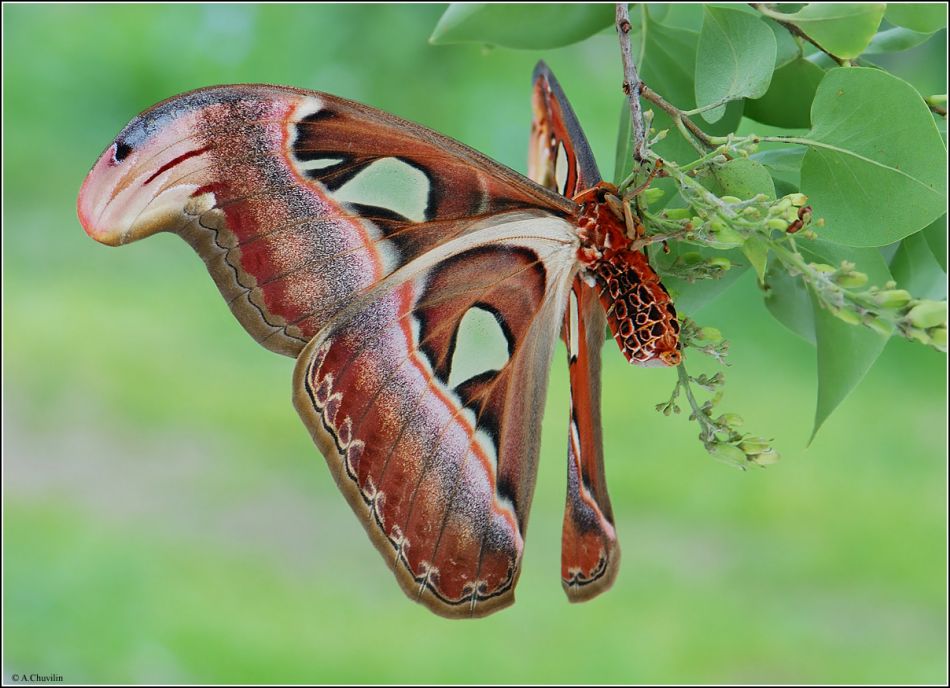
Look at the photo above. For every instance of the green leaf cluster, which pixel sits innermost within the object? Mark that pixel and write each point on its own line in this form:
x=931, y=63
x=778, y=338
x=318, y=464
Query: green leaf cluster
x=793, y=99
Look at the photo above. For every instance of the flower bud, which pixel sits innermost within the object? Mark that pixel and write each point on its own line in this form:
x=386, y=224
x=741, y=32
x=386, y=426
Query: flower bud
x=851, y=279
x=781, y=207
x=728, y=453
x=653, y=195
x=731, y=199
x=917, y=335
x=709, y=334
x=928, y=314
x=766, y=458
x=938, y=337
x=846, y=315
x=892, y=298
x=777, y=223
x=677, y=213
x=719, y=262
x=731, y=420
x=724, y=236
x=823, y=267
x=754, y=445
x=797, y=199
x=878, y=325
x=752, y=213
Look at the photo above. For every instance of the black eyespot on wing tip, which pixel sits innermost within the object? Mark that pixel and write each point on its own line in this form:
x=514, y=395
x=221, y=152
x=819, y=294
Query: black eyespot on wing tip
x=122, y=150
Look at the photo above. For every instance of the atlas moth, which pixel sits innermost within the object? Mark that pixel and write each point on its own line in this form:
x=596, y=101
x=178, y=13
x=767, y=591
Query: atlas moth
x=362, y=244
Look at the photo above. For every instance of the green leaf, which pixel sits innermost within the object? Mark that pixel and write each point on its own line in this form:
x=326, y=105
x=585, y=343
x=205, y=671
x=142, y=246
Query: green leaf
x=757, y=251
x=784, y=164
x=531, y=26
x=918, y=16
x=845, y=352
x=915, y=269
x=742, y=178
x=788, y=300
x=842, y=29
x=876, y=166
x=734, y=59
x=787, y=103
x=895, y=40
x=787, y=48
x=670, y=57
x=936, y=235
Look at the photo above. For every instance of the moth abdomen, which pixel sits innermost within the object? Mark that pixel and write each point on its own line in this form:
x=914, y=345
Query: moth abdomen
x=640, y=312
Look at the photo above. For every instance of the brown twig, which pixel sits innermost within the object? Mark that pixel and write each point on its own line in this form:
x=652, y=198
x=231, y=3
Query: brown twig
x=795, y=31
x=676, y=114
x=937, y=109
x=631, y=81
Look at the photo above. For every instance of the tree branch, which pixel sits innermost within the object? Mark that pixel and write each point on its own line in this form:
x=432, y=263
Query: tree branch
x=795, y=31
x=631, y=81
x=676, y=114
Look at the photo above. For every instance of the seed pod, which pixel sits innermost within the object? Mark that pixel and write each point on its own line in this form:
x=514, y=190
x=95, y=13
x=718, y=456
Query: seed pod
x=928, y=314
x=892, y=298
x=777, y=223
x=719, y=262
x=653, y=195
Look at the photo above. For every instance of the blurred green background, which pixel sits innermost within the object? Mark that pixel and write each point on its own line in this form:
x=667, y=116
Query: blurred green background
x=167, y=518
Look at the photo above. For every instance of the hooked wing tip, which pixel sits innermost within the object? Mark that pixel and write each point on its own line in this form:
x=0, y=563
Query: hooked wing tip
x=91, y=201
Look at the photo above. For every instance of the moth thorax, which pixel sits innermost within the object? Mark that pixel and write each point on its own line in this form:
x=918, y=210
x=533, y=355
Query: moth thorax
x=639, y=311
